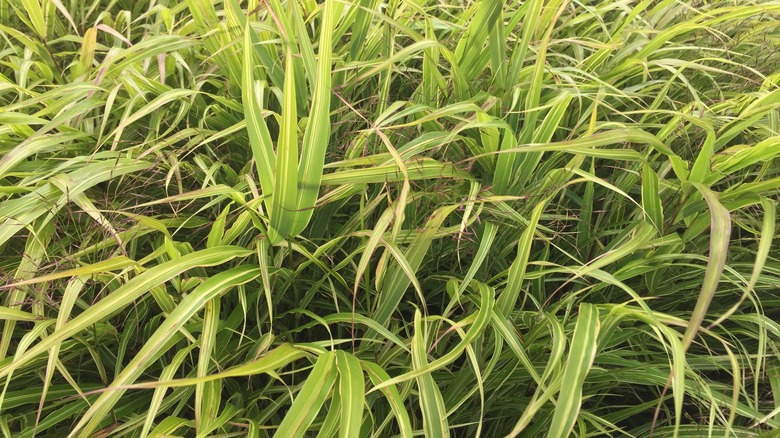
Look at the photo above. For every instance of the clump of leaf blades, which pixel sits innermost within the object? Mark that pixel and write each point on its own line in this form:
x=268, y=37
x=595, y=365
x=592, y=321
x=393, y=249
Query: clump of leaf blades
x=365, y=218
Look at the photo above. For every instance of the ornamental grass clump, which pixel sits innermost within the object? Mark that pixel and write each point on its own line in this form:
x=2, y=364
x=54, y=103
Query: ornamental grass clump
x=403, y=218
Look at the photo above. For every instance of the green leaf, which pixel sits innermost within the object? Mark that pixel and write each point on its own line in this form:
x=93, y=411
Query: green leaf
x=584, y=345
x=720, y=226
x=352, y=390
x=310, y=398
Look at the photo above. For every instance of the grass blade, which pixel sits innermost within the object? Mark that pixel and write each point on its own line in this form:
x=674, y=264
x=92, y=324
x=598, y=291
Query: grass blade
x=310, y=398
x=584, y=345
x=352, y=390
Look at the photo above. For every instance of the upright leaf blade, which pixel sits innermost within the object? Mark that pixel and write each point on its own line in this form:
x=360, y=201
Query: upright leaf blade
x=584, y=344
x=316, y=139
x=284, y=210
x=310, y=398
x=352, y=390
x=259, y=136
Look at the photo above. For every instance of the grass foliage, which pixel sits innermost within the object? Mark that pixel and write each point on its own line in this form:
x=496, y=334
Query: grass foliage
x=389, y=218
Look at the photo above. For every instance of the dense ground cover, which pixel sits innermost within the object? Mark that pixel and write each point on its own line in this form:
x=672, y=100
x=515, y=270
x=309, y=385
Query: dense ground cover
x=365, y=218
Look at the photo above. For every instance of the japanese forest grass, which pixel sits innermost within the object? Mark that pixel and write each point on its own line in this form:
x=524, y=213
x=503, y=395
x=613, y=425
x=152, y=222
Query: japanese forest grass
x=402, y=218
